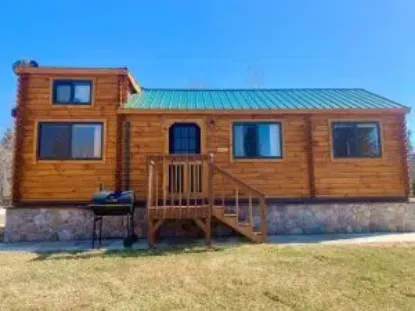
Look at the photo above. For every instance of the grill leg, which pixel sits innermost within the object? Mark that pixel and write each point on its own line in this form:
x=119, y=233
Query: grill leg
x=132, y=227
x=100, y=230
x=128, y=227
x=93, y=231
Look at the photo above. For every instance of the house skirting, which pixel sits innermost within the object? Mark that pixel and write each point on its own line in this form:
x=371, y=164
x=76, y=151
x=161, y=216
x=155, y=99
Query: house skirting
x=73, y=223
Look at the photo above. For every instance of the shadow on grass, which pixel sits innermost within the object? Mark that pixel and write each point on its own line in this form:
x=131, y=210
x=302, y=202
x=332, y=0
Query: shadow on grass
x=126, y=253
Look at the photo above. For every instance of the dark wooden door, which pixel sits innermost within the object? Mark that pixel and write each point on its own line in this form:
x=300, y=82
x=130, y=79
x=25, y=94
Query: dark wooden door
x=184, y=138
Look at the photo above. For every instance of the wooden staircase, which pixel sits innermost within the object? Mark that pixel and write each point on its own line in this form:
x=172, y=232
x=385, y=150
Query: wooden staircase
x=241, y=196
x=245, y=228
x=194, y=187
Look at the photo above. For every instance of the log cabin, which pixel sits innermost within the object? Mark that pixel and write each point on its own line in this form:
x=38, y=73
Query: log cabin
x=193, y=153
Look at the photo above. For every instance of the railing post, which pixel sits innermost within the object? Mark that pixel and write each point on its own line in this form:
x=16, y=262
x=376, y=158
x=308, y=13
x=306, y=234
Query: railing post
x=263, y=216
x=150, y=231
x=150, y=182
x=210, y=182
x=208, y=223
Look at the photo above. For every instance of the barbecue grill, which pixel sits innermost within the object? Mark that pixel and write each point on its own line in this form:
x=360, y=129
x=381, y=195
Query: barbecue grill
x=106, y=203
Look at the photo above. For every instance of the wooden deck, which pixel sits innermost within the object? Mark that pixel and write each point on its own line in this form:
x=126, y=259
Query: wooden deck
x=181, y=187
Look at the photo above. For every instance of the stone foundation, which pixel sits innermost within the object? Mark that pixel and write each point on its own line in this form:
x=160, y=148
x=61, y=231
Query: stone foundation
x=340, y=218
x=60, y=224
x=70, y=223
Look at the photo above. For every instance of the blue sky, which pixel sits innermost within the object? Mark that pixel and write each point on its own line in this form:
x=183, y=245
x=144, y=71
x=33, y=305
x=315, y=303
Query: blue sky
x=219, y=43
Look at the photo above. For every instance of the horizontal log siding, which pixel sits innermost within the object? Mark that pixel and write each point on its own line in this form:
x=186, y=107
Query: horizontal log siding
x=359, y=177
x=288, y=177
x=67, y=180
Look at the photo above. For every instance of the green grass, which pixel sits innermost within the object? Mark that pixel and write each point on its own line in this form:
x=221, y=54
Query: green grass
x=248, y=277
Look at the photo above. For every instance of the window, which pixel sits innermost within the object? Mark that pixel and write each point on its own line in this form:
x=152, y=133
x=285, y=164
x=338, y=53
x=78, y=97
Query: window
x=72, y=92
x=356, y=139
x=70, y=141
x=257, y=140
x=184, y=138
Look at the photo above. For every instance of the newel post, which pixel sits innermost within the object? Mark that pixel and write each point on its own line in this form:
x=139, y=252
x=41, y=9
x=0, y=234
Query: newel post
x=150, y=231
x=210, y=181
x=149, y=182
x=208, y=224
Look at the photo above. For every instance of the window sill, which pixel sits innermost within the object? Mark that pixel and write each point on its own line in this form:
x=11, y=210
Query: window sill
x=93, y=161
x=257, y=160
x=351, y=159
x=72, y=105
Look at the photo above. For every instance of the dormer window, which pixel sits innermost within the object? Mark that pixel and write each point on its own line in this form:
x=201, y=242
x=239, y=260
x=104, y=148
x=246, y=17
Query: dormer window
x=72, y=92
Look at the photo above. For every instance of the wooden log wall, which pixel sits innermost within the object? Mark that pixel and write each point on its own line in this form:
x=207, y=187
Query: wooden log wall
x=17, y=166
x=375, y=177
x=403, y=139
x=307, y=152
x=306, y=170
x=66, y=180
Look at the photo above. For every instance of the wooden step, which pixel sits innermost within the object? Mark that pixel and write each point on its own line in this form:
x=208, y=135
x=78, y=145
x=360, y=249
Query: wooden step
x=243, y=227
x=244, y=224
x=218, y=211
x=231, y=221
x=249, y=233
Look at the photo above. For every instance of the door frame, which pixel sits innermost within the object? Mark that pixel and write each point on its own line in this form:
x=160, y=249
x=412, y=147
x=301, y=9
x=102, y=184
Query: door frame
x=200, y=122
x=168, y=122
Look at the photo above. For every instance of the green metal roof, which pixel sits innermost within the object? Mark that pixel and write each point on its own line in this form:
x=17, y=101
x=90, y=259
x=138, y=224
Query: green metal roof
x=251, y=99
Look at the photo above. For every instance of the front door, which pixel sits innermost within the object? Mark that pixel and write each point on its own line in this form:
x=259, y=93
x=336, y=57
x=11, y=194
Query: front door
x=184, y=138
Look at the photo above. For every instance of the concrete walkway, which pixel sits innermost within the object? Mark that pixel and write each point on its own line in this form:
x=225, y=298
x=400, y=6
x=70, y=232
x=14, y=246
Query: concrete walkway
x=112, y=245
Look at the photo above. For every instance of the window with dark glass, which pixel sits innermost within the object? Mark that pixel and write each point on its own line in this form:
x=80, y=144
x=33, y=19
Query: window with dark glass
x=257, y=140
x=70, y=141
x=184, y=138
x=356, y=139
x=72, y=92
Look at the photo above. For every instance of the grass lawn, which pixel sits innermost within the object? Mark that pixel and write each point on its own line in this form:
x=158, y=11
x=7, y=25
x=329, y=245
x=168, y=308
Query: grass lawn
x=248, y=277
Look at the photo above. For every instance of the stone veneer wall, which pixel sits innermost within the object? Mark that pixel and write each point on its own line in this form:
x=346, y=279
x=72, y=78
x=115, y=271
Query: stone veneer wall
x=340, y=218
x=42, y=224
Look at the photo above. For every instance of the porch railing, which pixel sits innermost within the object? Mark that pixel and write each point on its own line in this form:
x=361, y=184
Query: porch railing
x=178, y=180
x=196, y=181
x=238, y=198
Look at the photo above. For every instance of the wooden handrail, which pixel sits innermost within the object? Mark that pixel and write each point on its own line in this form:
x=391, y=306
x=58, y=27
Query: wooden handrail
x=239, y=181
x=179, y=157
x=177, y=178
x=188, y=181
x=251, y=191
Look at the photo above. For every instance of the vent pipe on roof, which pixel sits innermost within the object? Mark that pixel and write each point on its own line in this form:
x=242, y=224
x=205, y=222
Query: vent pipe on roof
x=24, y=63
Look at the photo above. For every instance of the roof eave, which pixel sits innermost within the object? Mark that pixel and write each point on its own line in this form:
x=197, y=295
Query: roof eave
x=77, y=71
x=70, y=71
x=133, y=82
x=400, y=111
